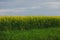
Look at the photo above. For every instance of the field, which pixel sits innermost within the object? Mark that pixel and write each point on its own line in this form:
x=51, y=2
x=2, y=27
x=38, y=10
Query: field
x=29, y=27
x=34, y=34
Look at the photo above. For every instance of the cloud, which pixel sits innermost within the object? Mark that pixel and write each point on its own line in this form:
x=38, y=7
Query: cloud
x=19, y=9
x=31, y=3
x=25, y=7
x=12, y=10
x=52, y=4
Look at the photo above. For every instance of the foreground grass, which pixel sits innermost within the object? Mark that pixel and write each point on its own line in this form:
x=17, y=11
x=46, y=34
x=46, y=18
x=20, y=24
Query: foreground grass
x=34, y=34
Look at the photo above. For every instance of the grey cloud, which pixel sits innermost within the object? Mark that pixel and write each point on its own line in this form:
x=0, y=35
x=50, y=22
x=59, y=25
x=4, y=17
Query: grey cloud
x=30, y=7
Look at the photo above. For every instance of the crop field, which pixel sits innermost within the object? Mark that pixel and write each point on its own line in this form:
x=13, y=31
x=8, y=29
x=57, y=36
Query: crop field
x=29, y=27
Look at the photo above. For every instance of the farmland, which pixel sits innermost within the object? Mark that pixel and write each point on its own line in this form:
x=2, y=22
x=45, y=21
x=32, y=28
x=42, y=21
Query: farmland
x=29, y=27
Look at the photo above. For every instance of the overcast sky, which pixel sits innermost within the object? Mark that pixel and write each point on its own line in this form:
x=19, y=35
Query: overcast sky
x=30, y=7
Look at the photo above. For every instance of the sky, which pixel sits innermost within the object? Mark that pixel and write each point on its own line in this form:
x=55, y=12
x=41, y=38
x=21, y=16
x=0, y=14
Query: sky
x=30, y=7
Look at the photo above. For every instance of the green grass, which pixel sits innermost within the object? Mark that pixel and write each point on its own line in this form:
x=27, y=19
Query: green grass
x=33, y=34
